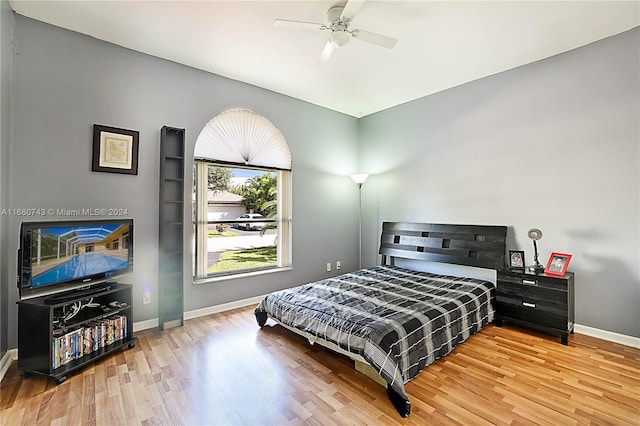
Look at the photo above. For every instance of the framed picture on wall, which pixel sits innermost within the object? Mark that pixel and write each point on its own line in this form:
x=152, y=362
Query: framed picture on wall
x=115, y=150
x=516, y=259
x=557, y=264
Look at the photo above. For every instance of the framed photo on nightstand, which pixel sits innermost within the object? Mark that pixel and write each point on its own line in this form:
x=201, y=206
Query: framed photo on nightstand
x=516, y=259
x=557, y=264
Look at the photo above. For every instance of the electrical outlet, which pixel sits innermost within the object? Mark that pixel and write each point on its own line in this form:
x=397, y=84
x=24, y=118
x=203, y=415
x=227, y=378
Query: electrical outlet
x=338, y=265
x=328, y=266
x=146, y=296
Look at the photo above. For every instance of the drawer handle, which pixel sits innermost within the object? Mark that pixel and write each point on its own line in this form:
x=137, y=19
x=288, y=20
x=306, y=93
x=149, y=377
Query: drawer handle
x=529, y=305
x=529, y=282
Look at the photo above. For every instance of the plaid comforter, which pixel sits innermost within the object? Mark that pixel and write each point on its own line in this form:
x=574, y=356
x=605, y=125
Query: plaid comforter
x=397, y=319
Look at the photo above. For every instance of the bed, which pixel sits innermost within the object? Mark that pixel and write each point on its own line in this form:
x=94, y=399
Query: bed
x=394, y=319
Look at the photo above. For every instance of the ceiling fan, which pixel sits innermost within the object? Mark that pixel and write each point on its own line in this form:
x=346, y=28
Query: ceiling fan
x=338, y=19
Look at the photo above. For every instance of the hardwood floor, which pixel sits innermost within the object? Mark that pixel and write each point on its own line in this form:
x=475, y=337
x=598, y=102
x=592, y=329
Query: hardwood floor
x=224, y=369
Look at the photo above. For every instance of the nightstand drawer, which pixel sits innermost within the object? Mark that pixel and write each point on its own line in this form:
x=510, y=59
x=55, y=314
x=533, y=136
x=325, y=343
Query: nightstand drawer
x=532, y=311
x=543, y=297
x=534, y=281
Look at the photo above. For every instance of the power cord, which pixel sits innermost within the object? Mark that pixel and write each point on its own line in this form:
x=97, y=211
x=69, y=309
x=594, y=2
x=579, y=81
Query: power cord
x=77, y=307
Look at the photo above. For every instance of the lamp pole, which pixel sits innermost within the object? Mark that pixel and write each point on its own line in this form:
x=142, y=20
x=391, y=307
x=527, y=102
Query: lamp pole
x=359, y=179
x=360, y=225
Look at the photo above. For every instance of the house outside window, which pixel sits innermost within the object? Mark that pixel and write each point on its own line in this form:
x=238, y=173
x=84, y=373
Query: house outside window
x=241, y=198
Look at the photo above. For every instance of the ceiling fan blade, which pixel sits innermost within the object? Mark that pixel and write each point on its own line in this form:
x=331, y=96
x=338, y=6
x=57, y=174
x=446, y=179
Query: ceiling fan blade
x=351, y=9
x=326, y=53
x=374, y=38
x=298, y=25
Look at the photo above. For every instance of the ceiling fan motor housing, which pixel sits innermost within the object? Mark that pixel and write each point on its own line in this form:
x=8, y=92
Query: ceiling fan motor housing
x=333, y=15
x=339, y=31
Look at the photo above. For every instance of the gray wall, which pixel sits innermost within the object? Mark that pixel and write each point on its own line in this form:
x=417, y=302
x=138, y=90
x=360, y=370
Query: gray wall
x=65, y=82
x=554, y=145
x=6, y=30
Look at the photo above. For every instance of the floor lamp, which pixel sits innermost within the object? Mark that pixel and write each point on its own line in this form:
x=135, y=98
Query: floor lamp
x=359, y=179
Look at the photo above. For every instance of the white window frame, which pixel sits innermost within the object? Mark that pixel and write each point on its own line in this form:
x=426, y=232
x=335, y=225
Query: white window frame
x=212, y=143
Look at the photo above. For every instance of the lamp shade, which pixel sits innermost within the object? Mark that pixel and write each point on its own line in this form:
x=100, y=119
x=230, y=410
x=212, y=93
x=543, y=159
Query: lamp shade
x=339, y=38
x=359, y=178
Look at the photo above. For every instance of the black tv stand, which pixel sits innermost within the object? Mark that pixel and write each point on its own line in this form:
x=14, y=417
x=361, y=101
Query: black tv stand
x=53, y=348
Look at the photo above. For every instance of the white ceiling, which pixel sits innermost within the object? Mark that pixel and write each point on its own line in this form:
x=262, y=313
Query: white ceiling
x=441, y=44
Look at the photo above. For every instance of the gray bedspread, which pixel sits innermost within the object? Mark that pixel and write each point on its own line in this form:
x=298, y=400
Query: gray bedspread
x=397, y=319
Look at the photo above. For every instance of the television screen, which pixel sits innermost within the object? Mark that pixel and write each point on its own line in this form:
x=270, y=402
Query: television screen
x=61, y=256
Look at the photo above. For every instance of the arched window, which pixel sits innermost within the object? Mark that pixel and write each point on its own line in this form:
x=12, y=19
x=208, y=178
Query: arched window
x=242, y=197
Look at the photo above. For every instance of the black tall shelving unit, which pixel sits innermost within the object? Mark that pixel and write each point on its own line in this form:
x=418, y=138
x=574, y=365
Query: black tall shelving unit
x=171, y=232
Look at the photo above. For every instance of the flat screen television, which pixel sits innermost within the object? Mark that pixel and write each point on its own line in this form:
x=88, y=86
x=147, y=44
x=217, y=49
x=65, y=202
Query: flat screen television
x=60, y=257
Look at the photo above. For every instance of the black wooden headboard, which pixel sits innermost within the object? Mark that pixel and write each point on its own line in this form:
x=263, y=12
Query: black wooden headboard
x=482, y=246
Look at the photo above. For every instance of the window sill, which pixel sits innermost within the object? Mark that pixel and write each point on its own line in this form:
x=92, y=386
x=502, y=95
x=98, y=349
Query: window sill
x=241, y=275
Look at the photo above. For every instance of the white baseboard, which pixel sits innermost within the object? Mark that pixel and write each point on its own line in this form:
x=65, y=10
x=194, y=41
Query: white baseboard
x=152, y=323
x=622, y=339
x=145, y=325
x=223, y=307
x=10, y=356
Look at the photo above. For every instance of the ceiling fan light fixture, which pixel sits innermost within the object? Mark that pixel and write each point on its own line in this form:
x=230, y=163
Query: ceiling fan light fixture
x=339, y=38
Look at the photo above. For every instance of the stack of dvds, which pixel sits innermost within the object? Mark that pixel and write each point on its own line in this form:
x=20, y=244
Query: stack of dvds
x=83, y=341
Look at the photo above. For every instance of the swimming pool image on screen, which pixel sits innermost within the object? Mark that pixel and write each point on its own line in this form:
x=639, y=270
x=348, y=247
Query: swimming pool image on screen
x=63, y=254
x=80, y=265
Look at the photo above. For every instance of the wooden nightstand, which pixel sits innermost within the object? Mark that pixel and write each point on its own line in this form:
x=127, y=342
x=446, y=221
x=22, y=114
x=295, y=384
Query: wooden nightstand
x=540, y=301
